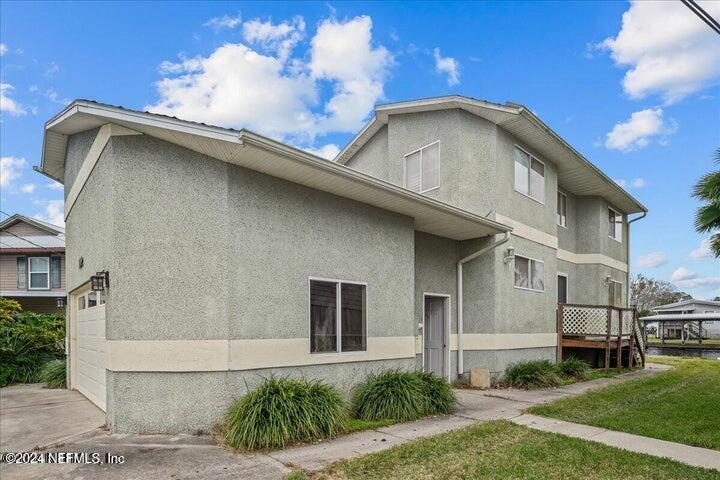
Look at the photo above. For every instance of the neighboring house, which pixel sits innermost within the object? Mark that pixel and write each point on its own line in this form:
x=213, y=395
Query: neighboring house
x=32, y=264
x=231, y=256
x=696, y=308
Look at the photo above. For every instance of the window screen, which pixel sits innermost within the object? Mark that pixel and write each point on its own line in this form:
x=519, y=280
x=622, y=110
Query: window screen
x=561, y=209
x=21, y=273
x=323, y=317
x=55, y=271
x=422, y=168
x=529, y=273
x=562, y=289
x=352, y=328
x=529, y=175
x=328, y=322
x=39, y=273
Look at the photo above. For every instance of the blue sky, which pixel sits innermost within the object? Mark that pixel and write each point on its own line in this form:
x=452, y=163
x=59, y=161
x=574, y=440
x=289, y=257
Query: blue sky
x=634, y=87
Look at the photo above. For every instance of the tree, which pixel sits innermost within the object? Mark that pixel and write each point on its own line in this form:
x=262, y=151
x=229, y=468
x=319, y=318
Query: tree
x=707, y=217
x=647, y=293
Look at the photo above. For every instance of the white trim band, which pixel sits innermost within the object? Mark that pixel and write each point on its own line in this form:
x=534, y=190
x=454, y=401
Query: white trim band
x=247, y=354
x=591, y=258
x=528, y=232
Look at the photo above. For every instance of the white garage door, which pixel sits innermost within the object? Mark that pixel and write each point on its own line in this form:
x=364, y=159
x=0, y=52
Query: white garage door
x=89, y=354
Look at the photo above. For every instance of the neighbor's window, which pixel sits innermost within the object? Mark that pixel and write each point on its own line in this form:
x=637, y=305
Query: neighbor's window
x=21, y=273
x=615, y=225
x=56, y=271
x=337, y=317
x=529, y=273
x=529, y=175
x=39, y=273
x=422, y=168
x=562, y=209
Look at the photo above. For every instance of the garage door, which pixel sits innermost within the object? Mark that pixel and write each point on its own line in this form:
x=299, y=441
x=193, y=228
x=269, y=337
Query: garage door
x=89, y=355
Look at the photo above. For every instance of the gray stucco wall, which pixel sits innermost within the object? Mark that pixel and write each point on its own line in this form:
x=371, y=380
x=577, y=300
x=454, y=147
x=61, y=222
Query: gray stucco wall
x=372, y=158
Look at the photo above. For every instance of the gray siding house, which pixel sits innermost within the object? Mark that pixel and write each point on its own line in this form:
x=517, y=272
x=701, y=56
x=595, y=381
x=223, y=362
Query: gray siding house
x=442, y=238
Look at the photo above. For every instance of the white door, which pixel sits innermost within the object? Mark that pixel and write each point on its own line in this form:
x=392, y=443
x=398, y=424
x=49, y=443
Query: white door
x=434, y=351
x=88, y=350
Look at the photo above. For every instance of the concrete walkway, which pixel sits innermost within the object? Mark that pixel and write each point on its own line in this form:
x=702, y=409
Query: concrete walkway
x=698, y=457
x=33, y=416
x=477, y=406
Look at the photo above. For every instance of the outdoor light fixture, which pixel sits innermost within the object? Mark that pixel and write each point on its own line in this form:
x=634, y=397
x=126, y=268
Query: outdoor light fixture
x=608, y=280
x=60, y=302
x=509, y=254
x=100, y=281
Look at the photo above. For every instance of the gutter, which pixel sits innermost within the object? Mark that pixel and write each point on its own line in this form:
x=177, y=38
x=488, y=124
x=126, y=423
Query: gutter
x=460, y=264
x=639, y=217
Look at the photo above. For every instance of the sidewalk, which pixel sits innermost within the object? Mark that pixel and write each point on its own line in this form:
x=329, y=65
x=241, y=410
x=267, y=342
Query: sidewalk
x=485, y=405
x=695, y=456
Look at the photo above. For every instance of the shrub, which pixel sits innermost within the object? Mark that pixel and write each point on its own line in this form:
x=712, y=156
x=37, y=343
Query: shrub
x=27, y=342
x=391, y=395
x=573, y=368
x=281, y=411
x=53, y=373
x=8, y=308
x=532, y=374
x=441, y=398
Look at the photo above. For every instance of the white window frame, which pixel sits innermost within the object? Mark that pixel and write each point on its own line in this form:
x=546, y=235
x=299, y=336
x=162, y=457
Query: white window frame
x=562, y=221
x=529, y=259
x=338, y=315
x=532, y=157
x=30, y=272
x=422, y=180
x=617, y=214
x=567, y=286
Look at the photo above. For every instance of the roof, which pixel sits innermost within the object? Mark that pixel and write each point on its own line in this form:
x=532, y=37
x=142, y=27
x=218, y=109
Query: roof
x=687, y=317
x=689, y=301
x=576, y=174
x=10, y=242
x=253, y=151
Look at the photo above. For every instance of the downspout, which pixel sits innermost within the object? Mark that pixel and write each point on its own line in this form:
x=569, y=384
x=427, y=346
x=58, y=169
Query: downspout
x=460, y=264
x=641, y=216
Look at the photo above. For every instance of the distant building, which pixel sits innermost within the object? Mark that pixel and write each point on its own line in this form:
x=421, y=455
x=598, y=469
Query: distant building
x=691, y=306
x=32, y=263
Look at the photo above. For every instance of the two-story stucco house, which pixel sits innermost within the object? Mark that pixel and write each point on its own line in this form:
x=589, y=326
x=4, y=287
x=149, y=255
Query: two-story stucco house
x=32, y=264
x=442, y=238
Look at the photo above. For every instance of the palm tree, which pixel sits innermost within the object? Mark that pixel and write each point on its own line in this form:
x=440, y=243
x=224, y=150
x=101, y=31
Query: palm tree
x=707, y=217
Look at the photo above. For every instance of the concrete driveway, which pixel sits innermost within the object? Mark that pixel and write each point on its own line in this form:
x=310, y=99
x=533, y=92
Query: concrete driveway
x=33, y=416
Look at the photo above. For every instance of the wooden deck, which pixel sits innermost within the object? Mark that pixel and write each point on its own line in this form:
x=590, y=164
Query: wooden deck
x=600, y=334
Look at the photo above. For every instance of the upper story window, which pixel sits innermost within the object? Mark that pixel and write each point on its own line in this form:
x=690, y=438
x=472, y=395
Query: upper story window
x=615, y=222
x=529, y=175
x=562, y=209
x=39, y=270
x=422, y=168
x=529, y=274
x=337, y=317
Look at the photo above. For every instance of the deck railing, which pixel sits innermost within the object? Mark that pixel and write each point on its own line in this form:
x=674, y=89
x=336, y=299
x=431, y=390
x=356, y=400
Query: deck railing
x=610, y=323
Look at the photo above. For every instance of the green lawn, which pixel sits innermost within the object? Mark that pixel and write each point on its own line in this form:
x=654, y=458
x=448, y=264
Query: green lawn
x=680, y=405
x=503, y=450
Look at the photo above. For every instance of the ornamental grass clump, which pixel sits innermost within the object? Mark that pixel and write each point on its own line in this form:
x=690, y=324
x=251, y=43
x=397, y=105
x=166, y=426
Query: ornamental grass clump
x=282, y=411
x=533, y=374
x=53, y=373
x=393, y=394
x=440, y=396
x=573, y=368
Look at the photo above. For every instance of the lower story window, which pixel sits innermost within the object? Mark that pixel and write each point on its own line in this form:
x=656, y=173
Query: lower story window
x=337, y=316
x=529, y=273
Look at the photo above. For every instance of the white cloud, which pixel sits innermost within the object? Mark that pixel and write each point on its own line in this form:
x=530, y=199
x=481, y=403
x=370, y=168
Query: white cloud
x=328, y=151
x=667, y=48
x=448, y=66
x=9, y=105
x=278, y=39
x=226, y=21
x=28, y=188
x=702, y=282
x=682, y=274
x=235, y=86
x=55, y=186
x=54, y=213
x=10, y=170
x=52, y=69
x=652, y=260
x=343, y=53
x=52, y=95
x=702, y=252
x=3, y=49
x=636, y=132
x=636, y=183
